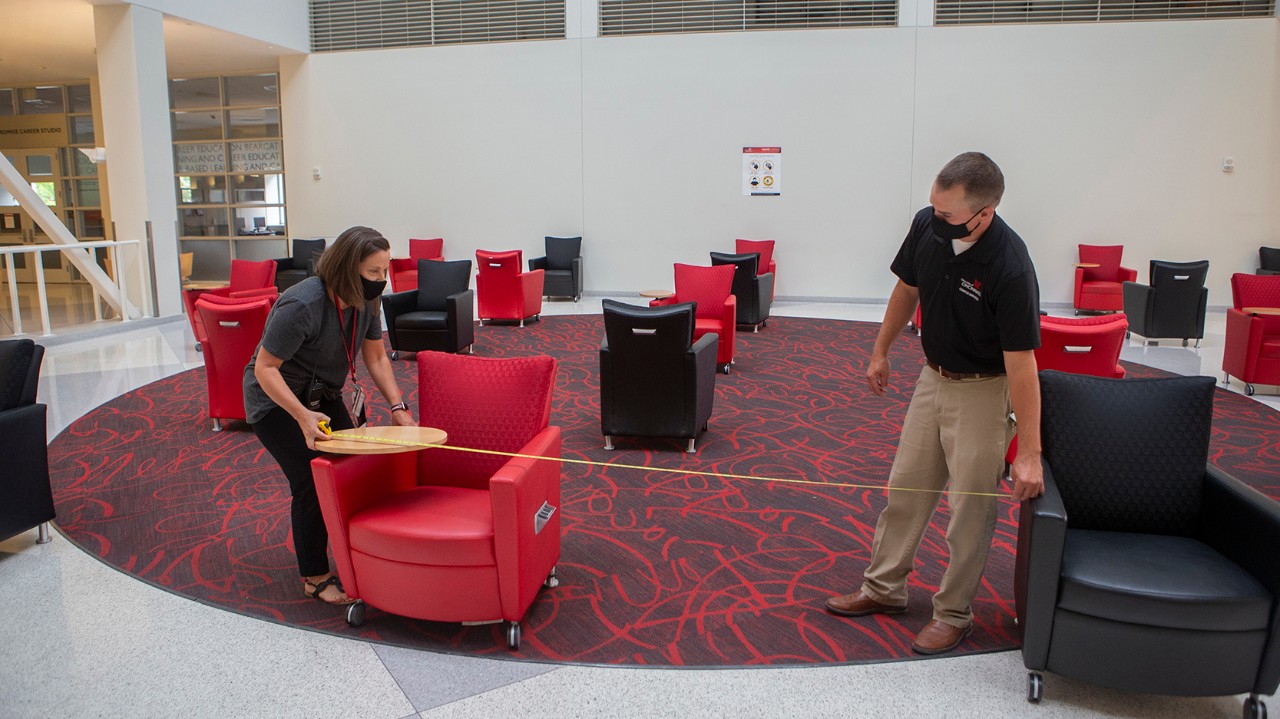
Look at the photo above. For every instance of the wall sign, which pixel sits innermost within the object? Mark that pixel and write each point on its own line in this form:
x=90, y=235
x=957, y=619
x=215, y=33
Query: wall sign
x=260, y=156
x=762, y=171
x=200, y=157
x=32, y=131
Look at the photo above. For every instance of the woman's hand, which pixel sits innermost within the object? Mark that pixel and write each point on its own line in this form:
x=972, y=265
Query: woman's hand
x=309, y=423
x=403, y=418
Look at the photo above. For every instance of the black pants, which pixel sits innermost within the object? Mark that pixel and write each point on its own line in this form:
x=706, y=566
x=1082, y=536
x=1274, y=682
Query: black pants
x=282, y=437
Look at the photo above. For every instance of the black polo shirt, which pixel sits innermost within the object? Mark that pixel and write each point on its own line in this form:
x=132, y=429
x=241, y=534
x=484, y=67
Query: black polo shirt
x=976, y=305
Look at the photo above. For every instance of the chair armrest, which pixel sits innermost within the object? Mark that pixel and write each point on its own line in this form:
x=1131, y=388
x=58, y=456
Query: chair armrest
x=766, y=293
x=702, y=364
x=531, y=289
x=256, y=292
x=1079, y=287
x=1042, y=533
x=399, y=303
x=537, y=263
x=347, y=484
x=461, y=308
x=1265, y=271
x=1127, y=274
x=526, y=553
x=576, y=269
x=1243, y=343
x=1137, y=305
x=1244, y=525
x=284, y=263
x=26, y=498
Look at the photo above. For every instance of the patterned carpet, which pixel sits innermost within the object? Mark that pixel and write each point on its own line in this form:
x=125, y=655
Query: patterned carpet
x=657, y=568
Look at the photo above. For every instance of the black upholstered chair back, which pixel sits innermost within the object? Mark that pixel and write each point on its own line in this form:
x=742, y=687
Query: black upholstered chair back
x=561, y=252
x=1127, y=455
x=19, y=372
x=1269, y=260
x=306, y=252
x=649, y=332
x=438, y=279
x=746, y=268
x=1178, y=285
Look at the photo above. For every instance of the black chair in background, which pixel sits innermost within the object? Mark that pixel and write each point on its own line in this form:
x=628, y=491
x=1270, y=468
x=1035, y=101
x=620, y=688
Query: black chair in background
x=561, y=267
x=301, y=265
x=26, y=500
x=754, y=291
x=1142, y=567
x=1268, y=261
x=439, y=315
x=655, y=381
x=1173, y=305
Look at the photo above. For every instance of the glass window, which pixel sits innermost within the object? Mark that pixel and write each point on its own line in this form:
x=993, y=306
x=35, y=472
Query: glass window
x=268, y=189
x=204, y=222
x=39, y=165
x=79, y=99
x=196, y=92
x=262, y=122
x=87, y=193
x=199, y=158
x=91, y=224
x=47, y=192
x=6, y=102
x=82, y=130
x=43, y=100
x=197, y=126
x=259, y=220
x=256, y=156
x=208, y=190
x=253, y=90
x=80, y=165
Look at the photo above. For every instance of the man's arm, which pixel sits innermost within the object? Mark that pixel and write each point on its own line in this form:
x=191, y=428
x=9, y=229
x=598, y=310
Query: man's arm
x=1024, y=392
x=902, y=303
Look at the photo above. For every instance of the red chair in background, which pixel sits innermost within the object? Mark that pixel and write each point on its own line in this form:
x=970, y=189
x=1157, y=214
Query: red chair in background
x=1252, y=351
x=233, y=328
x=767, y=264
x=446, y=535
x=404, y=272
x=717, y=309
x=1100, y=279
x=503, y=292
x=248, y=280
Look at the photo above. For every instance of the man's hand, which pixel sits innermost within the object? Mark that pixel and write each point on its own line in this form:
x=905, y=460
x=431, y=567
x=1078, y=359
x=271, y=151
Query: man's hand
x=878, y=374
x=1028, y=476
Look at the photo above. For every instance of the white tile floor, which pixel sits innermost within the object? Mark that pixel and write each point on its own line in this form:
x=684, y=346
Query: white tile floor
x=80, y=639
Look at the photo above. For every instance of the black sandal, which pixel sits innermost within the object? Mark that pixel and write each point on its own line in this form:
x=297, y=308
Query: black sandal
x=318, y=589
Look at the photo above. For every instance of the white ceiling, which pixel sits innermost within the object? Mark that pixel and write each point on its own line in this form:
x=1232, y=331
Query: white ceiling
x=53, y=41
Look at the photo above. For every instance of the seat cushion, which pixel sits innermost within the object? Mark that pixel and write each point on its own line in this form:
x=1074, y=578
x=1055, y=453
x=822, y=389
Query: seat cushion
x=1101, y=287
x=423, y=320
x=443, y=526
x=1158, y=580
x=703, y=325
x=1270, y=347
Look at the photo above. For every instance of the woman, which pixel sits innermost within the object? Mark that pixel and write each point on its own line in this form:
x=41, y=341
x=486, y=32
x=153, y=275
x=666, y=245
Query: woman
x=295, y=381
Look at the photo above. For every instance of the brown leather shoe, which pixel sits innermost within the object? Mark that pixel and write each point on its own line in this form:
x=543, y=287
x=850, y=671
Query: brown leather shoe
x=939, y=637
x=860, y=605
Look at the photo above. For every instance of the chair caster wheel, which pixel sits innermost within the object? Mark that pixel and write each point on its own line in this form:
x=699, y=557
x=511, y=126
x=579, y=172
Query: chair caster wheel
x=1249, y=390
x=355, y=613
x=1035, y=687
x=726, y=369
x=199, y=348
x=513, y=635
x=552, y=580
x=1254, y=708
x=395, y=355
x=1185, y=343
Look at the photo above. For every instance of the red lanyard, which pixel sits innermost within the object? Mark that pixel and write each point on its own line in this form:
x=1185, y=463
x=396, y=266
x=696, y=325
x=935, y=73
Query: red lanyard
x=349, y=348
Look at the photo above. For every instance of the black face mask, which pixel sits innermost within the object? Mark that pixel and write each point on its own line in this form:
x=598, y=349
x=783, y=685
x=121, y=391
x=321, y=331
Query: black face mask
x=372, y=289
x=948, y=231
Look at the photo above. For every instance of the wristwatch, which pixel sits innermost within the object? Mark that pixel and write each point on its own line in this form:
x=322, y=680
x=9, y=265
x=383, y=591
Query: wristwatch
x=398, y=406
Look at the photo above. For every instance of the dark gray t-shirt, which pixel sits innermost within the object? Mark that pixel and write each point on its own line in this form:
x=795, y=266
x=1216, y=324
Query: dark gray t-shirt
x=303, y=330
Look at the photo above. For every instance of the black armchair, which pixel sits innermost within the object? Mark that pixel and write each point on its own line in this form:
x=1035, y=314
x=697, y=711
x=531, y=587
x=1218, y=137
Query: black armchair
x=439, y=315
x=754, y=291
x=1173, y=305
x=655, y=381
x=1141, y=567
x=1268, y=261
x=301, y=265
x=26, y=500
x=561, y=267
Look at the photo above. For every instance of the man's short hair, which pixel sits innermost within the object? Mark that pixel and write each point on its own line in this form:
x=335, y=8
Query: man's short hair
x=981, y=179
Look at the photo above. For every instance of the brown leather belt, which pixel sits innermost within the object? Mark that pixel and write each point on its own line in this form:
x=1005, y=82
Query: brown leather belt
x=962, y=375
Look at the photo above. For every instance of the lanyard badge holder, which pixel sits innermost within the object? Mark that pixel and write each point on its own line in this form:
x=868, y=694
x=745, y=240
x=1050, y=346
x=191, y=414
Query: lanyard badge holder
x=357, y=394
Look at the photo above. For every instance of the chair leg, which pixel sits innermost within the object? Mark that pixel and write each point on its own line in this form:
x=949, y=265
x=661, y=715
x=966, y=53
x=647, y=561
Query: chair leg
x=1226, y=379
x=217, y=425
x=522, y=322
x=608, y=442
x=1197, y=343
x=692, y=445
x=42, y=533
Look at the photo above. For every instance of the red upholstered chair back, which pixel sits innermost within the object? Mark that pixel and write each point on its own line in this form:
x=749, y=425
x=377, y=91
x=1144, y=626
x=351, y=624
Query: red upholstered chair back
x=432, y=249
x=1255, y=290
x=1082, y=345
x=763, y=247
x=232, y=330
x=1107, y=257
x=404, y=274
x=499, y=265
x=708, y=286
x=483, y=403
x=247, y=275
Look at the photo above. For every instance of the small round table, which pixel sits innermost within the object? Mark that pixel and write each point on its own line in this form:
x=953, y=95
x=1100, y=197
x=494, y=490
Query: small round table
x=1087, y=265
x=1260, y=310
x=382, y=440
x=205, y=285
x=657, y=294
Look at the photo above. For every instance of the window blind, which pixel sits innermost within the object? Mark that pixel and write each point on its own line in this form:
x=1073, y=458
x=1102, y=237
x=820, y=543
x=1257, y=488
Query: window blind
x=632, y=17
x=987, y=12
x=365, y=24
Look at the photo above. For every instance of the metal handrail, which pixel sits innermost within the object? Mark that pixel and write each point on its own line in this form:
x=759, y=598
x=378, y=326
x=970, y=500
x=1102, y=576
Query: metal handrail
x=41, y=290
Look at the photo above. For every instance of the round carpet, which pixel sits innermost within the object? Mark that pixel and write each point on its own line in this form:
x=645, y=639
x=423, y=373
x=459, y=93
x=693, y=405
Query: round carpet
x=657, y=568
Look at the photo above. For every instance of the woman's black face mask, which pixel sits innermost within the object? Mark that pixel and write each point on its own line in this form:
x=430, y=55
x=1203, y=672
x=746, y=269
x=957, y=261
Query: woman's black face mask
x=372, y=289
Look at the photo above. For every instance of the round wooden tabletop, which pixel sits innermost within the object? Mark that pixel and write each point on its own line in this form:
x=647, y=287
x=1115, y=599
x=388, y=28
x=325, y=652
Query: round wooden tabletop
x=1260, y=310
x=657, y=294
x=382, y=440
x=205, y=285
x=1087, y=264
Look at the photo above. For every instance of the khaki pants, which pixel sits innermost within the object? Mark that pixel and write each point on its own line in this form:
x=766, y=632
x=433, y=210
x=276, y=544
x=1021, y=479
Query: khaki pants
x=956, y=433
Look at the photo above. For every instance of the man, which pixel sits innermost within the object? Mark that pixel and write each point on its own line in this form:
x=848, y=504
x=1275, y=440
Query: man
x=974, y=281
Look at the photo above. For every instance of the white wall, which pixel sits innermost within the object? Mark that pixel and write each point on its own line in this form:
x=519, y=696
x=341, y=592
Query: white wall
x=1106, y=133
x=279, y=22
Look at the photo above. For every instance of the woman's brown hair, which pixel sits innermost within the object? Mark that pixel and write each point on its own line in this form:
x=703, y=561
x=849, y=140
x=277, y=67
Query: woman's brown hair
x=339, y=266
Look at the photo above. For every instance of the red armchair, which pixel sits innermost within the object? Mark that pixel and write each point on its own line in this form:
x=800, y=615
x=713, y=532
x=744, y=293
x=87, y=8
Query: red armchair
x=1100, y=289
x=1252, y=351
x=404, y=272
x=233, y=328
x=767, y=263
x=248, y=280
x=503, y=292
x=717, y=308
x=453, y=536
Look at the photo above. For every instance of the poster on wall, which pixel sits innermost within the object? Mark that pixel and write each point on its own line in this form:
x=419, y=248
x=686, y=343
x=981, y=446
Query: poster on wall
x=762, y=171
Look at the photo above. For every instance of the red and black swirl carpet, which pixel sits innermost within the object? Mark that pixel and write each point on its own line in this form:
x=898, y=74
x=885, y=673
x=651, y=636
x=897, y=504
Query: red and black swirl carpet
x=657, y=568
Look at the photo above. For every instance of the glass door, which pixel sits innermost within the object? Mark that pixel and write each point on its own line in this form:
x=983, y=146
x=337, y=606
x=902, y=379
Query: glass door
x=41, y=169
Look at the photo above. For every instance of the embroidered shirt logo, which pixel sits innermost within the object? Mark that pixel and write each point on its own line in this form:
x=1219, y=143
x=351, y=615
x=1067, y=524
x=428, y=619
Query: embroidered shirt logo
x=972, y=288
